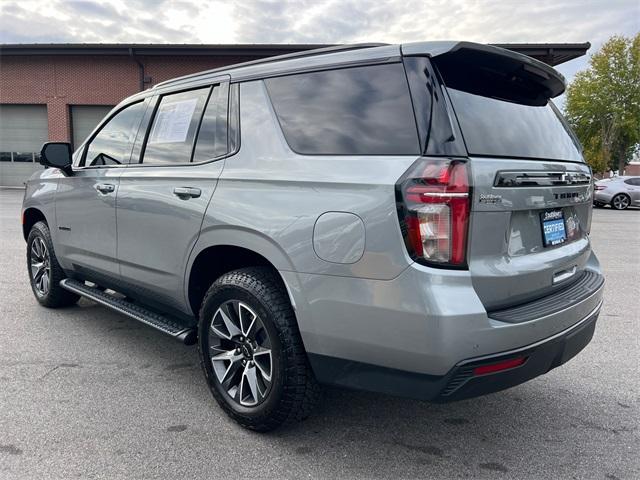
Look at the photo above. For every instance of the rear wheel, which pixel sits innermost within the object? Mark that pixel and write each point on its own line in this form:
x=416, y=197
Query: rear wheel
x=252, y=353
x=45, y=272
x=620, y=201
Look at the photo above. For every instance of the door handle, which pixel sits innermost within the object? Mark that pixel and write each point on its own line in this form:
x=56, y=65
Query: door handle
x=187, y=192
x=105, y=187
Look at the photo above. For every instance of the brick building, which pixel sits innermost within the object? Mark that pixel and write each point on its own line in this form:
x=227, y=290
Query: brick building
x=61, y=91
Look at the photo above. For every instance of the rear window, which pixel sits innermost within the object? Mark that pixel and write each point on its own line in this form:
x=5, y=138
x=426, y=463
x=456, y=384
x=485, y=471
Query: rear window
x=499, y=128
x=352, y=111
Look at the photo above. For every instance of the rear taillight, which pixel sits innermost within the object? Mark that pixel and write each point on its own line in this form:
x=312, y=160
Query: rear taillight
x=600, y=187
x=433, y=208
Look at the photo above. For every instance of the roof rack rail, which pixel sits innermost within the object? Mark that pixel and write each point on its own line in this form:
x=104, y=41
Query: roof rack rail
x=306, y=53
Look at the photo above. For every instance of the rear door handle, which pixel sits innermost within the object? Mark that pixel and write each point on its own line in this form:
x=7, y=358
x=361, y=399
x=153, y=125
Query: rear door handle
x=105, y=187
x=187, y=192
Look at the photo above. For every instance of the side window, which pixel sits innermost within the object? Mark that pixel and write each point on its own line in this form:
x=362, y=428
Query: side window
x=212, y=137
x=112, y=145
x=350, y=111
x=174, y=127
x=633, y=181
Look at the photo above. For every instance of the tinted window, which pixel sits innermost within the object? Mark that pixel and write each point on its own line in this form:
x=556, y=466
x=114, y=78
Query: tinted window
x=112, y=144
x=174, y=127
x=212, y=137
x=363, y=110
x=633, y=181
x=439, y=134
x=500, y=128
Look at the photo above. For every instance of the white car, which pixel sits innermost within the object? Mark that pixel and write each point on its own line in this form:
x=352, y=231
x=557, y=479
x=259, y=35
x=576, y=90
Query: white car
x=619, y=192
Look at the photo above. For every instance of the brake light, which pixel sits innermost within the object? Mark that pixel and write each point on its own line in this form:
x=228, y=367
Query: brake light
x=433, y=209
x=600, y=187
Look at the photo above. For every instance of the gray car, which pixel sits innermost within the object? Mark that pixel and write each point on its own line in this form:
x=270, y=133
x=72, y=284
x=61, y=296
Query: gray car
x=619, y=192
x=409, y=219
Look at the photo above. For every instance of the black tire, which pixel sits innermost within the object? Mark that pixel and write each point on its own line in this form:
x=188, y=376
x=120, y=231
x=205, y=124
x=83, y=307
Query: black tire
x=55, y=296
x=293, y=390
x=621, y=201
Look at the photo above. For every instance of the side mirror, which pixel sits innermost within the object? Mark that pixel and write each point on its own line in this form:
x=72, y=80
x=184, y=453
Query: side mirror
x=57, y=155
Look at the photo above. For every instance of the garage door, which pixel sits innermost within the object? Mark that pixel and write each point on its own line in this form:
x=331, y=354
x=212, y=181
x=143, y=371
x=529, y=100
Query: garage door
x=84, y=119
x=23, y=130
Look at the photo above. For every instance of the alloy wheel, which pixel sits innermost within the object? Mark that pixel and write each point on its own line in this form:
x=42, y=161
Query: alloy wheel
x=240, y=353
x=40, y=266
x=620, y=202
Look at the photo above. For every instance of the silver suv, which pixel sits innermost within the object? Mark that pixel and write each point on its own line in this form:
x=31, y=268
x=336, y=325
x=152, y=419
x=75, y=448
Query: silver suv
x=409, y=219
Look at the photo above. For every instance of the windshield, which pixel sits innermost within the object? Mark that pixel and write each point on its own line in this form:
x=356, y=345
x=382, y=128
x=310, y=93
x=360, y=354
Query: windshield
x=495, y=127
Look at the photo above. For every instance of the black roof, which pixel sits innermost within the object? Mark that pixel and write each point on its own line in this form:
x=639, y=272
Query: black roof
x=550, y=53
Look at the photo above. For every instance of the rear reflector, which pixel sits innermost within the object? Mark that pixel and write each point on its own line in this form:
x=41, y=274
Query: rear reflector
x=499, y=366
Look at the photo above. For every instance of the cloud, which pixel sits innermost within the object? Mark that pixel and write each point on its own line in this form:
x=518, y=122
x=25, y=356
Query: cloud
x=333, y=21
x=308, y=21
x=89, y=9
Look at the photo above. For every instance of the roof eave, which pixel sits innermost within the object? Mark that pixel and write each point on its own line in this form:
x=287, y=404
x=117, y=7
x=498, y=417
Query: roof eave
x=550, y=53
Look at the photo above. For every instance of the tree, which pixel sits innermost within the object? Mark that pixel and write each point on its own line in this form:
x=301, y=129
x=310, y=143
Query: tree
x=603, y=104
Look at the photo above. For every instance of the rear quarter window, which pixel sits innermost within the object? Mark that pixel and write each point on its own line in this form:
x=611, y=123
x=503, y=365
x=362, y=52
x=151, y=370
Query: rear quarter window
x=352, y=111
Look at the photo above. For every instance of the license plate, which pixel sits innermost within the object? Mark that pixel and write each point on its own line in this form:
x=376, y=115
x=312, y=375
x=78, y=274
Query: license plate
x=554, y=231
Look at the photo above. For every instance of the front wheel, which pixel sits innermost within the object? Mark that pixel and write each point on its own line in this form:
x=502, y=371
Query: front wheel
x=252, y=353
x=45, y=272
x=620, y=201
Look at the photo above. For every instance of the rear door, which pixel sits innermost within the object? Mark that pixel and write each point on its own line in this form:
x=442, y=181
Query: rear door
x=162, y=198
x=529, y=228
x=532, y=191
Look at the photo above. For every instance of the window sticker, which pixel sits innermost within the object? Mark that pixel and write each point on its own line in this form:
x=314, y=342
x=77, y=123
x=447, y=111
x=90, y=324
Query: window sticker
x=172, y=121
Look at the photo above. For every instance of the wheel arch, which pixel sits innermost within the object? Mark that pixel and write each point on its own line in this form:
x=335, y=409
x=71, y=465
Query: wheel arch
x=621, y=194
x=30, y=217
x=214, y=260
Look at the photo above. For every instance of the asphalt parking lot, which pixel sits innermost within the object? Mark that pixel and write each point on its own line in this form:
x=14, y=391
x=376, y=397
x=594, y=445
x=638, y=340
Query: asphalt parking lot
x=85, y=392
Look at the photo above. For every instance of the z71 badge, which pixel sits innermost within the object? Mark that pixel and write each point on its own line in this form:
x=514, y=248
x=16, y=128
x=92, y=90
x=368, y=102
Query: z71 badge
x=490, y=198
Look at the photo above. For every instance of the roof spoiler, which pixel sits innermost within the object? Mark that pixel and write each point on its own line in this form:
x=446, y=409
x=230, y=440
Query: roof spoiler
x=491, y=71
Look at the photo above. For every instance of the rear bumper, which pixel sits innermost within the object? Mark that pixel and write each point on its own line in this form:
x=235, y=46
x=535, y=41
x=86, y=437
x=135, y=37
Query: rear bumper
x=424, y=321
x=539, y=358
x=461, y=381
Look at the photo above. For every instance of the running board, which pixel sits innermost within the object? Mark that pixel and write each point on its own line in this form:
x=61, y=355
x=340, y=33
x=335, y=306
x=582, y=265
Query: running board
x=155, y=320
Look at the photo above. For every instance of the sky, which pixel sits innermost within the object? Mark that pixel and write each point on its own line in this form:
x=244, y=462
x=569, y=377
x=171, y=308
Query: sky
x=334, y=21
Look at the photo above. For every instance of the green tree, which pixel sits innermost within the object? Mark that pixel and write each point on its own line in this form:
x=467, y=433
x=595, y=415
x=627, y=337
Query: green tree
x=603, y=104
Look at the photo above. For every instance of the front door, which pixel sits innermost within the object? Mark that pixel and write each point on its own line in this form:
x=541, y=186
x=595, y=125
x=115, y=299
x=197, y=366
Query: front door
x=162, y=199
x=86, y=200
